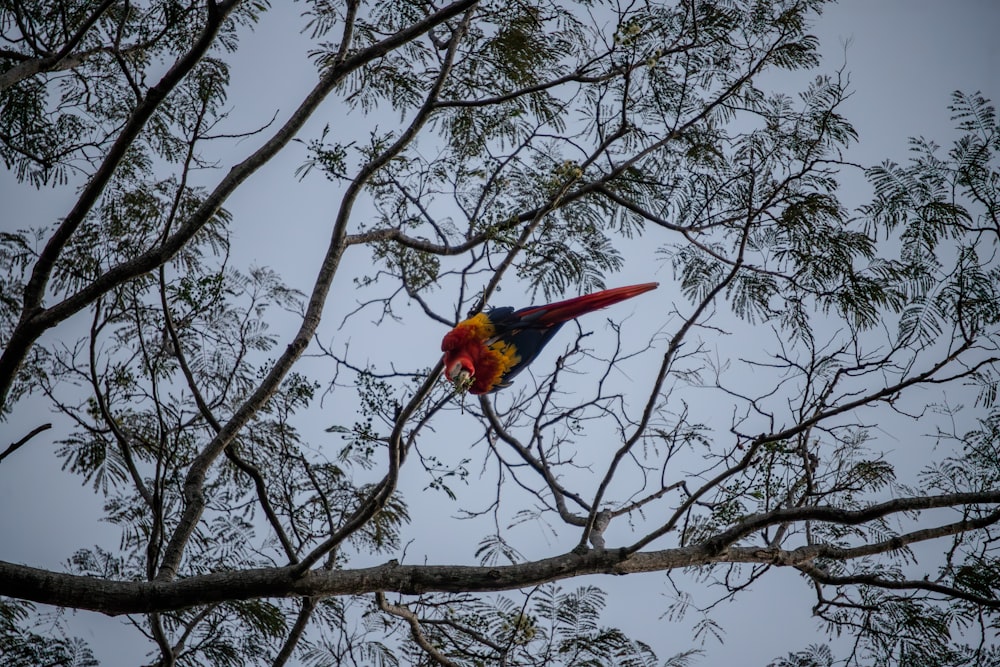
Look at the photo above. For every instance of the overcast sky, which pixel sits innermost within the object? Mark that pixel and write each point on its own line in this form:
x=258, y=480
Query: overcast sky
x=904, y=57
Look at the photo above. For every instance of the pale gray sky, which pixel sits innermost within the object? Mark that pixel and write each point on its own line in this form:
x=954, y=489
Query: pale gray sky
x=904, y=58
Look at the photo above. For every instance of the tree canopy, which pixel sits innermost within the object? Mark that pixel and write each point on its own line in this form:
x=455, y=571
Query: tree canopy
x=813, y=388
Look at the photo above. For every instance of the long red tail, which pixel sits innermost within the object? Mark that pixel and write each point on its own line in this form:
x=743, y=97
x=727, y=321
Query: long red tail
x=562, y=311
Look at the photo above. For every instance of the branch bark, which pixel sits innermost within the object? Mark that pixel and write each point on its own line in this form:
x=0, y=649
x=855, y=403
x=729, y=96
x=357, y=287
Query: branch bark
x=132, y=597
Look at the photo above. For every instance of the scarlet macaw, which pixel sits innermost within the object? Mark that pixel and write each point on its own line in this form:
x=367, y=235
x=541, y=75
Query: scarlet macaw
x=483, y=353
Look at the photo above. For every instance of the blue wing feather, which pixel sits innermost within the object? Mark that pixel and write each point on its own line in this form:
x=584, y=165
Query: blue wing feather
x=523, y=332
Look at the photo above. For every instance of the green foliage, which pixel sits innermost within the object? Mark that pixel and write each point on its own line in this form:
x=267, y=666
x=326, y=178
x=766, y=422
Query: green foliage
x=817, y=655
x=343, y=633
x=24, y=648
x=534, y=150
x=494, y=548
x=919, y=202
x=551, y=626
x=51, y=133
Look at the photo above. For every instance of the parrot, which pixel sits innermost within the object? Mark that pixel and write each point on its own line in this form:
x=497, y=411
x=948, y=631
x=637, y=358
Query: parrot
x=483, y=353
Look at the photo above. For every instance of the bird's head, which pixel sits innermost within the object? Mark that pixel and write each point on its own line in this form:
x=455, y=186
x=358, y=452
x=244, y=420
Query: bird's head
x=461, y=373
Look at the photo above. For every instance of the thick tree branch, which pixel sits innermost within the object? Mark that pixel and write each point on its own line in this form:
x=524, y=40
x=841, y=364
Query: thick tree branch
x=129, y=597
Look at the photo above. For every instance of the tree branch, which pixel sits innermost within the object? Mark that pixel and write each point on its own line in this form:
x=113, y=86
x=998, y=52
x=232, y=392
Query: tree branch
x=130, y=597
x=415, y=631
x=14, y=446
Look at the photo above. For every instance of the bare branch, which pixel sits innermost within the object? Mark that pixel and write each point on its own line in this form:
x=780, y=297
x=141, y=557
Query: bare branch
x=415, y=630
x=14, y=446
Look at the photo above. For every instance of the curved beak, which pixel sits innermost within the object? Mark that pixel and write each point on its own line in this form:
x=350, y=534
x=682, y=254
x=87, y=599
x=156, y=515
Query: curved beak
x=464, y=380
x=461, y=375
